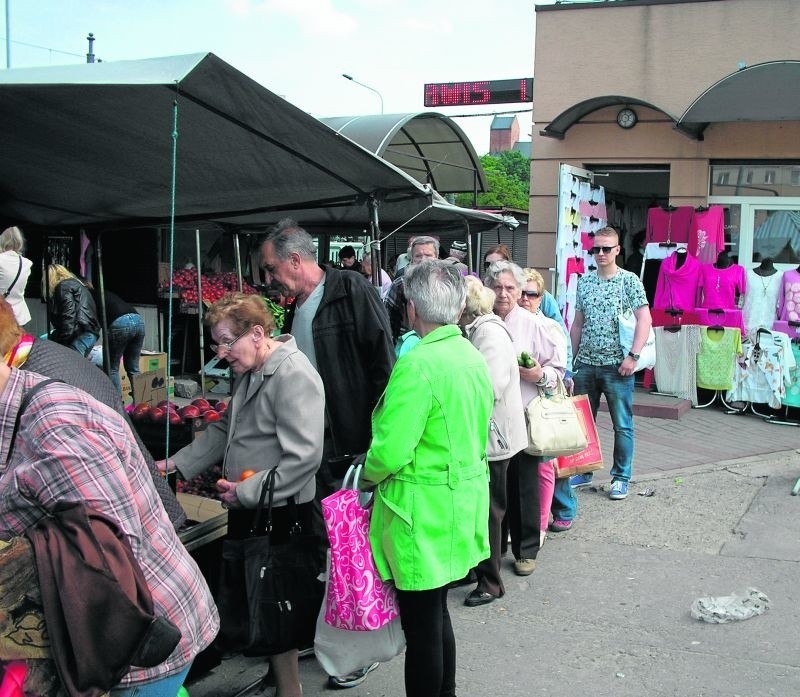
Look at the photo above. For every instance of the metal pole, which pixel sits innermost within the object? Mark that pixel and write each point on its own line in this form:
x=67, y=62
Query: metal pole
x=371, y=89
x=238, y=260
x=8, y=34
x=375, y=243
x=200, y=314
x=101, y=284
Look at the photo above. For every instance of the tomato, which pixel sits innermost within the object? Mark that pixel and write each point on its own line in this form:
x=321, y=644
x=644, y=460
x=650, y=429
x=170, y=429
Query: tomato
x=246, y=475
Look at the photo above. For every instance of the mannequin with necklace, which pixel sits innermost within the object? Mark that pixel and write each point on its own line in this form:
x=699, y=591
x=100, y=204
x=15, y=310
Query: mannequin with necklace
x=761, y=299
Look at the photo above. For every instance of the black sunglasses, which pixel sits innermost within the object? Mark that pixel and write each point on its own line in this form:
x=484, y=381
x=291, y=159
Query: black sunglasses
x=605, y=250
x=531, y=293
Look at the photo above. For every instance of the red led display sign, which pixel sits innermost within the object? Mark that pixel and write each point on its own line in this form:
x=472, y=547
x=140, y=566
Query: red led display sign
x=479, y=92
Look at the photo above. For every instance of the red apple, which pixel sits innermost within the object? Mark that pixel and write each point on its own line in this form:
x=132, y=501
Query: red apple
x=140, y=412
x=190, y=411
x=175, y=418
x=157, y=414
x=221, y=407
x=212, y=415
x=200, y=402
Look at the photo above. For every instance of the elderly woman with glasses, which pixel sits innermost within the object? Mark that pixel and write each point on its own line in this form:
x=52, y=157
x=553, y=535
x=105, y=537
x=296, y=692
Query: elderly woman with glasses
x=428, y=462
x=563, y=502
x=545, y=342
x=275, y=417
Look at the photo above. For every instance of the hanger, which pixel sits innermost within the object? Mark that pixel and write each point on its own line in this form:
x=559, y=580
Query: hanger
x=717, y=311
x=701, y=209
x=669, y=208
x=793, y=323
x=667, y=244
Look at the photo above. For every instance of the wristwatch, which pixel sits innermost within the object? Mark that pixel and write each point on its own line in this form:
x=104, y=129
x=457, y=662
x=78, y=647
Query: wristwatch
x=633, y=355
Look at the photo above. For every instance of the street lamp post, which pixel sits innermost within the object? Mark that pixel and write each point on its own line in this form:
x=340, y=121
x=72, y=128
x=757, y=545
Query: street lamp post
x=372, y=89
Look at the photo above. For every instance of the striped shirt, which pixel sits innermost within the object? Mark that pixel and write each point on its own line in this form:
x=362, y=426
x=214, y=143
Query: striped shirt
x=71, y=448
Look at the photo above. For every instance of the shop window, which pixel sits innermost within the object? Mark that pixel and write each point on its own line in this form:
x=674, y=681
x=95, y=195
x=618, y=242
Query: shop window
x=795, y=177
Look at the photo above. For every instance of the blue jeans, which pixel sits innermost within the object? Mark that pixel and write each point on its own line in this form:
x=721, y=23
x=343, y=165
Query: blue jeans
x=125, y=340
x=84, y=342
x=597, y=380
x=163, y=687
x=565, y=503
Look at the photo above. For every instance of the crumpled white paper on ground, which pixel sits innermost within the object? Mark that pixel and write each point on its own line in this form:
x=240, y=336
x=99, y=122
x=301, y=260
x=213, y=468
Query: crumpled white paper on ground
x=742, y=605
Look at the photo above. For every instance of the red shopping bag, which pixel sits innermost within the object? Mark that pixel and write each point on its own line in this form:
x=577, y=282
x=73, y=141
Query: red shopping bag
x=590, y=458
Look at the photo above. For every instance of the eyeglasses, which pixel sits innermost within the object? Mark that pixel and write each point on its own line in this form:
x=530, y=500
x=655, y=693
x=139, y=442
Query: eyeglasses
x=531, y=293
x=228, y=345
x=605, y=250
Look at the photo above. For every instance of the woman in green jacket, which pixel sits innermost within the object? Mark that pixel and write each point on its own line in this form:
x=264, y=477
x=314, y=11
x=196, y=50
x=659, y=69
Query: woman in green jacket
x=428, y=460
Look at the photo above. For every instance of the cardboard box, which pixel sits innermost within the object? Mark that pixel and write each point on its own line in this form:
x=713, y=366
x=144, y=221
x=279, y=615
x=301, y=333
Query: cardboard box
x=149, y=387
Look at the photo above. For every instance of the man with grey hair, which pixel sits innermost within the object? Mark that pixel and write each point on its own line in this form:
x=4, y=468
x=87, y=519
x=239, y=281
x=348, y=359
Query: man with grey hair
x=421, y=248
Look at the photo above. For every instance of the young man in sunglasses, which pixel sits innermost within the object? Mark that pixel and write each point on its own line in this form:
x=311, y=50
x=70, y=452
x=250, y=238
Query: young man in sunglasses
x=601, y=366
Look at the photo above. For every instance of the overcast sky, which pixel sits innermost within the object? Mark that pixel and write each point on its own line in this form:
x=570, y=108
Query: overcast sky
x=300, y=48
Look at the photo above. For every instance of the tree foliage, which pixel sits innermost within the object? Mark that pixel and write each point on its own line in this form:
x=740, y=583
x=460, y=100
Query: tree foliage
x=508, y=177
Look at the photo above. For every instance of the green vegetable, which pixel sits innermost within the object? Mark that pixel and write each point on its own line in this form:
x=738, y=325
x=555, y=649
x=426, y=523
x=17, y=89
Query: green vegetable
x=278, y=312
x=524, y=359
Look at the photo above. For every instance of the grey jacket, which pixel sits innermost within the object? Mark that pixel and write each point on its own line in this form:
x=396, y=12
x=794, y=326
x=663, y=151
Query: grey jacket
x=275, y=417
x=509, y=434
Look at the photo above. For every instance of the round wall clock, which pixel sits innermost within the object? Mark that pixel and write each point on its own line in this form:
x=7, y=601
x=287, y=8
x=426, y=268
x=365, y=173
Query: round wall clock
x=627, y=118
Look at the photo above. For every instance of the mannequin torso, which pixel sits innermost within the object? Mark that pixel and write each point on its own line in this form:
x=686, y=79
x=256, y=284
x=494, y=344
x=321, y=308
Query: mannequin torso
x=766, y=268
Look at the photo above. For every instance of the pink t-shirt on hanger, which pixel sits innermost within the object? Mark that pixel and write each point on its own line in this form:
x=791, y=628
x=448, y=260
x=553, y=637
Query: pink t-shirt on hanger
x=719, y=287
x=707, y=234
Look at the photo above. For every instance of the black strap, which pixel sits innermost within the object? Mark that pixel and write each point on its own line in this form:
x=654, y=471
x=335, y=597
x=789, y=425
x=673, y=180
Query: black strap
x=16, y=278
x=268, y=486
x=24, y=405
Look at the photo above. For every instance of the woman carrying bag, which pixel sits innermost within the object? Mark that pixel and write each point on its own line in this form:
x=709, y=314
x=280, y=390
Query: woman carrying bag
x=274, y=420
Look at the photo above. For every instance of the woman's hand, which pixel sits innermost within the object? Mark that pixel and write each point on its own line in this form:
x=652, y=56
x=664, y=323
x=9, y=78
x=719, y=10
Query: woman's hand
x=228, y=494
x=533, y=374
x=166, y=466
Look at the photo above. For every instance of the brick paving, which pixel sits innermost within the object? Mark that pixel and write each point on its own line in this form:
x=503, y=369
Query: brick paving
x=699, y=437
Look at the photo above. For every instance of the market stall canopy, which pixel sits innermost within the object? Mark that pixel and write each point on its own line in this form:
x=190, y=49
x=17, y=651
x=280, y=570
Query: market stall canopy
x=427, y=145
x=559, y=126
x=763, y=92
x=92, y=145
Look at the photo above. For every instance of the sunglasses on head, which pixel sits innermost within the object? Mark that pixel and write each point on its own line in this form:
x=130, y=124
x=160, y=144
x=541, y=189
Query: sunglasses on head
x=604, y=250
x=531, y=293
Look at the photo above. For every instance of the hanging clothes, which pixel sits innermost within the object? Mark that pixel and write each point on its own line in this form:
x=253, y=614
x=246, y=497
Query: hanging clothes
x=761, y=300
x=765, y=372
x=676, y=361
x=665, y=225
x=716, y=359
x=674, y=318
x=789, y=296
x=719, y=287
x=707, y=234
x=677, y=283
x=721, y=318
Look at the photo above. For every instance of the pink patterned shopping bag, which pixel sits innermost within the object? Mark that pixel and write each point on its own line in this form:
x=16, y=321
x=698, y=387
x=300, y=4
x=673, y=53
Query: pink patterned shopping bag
x=357, y=599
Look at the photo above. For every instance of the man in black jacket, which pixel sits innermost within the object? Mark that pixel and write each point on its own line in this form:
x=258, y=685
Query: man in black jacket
x=339, y=322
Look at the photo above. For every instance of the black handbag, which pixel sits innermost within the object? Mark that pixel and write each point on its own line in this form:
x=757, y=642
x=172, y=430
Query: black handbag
x=269, y=594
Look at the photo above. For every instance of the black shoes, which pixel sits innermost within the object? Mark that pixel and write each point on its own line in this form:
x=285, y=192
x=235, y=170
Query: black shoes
x=476, y=598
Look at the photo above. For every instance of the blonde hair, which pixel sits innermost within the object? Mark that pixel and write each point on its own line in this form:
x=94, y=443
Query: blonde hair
x=534, y=276
x=243, y=311
x=55, y=274
x=480, y=299
x=11, y=240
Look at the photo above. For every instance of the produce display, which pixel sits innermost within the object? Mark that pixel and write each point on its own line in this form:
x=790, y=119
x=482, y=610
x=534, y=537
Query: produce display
x=169, y=411
x=214, y=286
